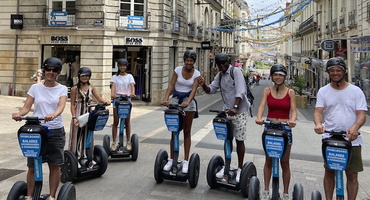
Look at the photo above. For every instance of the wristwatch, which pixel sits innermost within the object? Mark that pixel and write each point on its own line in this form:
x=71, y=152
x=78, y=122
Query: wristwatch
x=236, y=106
x=74, y=117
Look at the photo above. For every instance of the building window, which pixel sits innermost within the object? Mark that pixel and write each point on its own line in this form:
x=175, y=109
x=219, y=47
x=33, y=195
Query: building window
x=132, y=7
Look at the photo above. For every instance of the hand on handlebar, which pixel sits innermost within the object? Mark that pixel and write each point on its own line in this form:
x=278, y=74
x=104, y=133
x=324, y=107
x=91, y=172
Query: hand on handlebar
x=231, y=112
x=16, y=116
x=291, y=123
x=319, y=129
x=165, y=103
x=259, y=121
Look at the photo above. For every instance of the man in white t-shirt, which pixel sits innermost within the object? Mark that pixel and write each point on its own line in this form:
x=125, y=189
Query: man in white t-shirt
x=341, y=106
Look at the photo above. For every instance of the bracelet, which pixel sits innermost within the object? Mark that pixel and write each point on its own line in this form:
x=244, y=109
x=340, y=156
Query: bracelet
x=74, y=117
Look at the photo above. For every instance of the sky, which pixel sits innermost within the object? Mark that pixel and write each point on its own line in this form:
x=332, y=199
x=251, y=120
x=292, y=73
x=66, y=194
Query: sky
x=263, y=7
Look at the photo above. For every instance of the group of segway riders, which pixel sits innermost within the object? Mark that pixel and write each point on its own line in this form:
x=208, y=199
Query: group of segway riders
x=49, y=98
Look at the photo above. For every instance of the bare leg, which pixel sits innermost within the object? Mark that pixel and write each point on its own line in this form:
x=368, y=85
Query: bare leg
x=54, y=178
x=30, y=182
x=329, y=183
x=188, y=121
x=114, y=126
x=352, y=185
x=267, y=172
x=285, y=166
x=240, y=150
x=128, y=129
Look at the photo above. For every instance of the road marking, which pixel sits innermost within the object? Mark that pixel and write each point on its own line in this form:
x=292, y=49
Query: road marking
x=198, y=136
x=153, y=133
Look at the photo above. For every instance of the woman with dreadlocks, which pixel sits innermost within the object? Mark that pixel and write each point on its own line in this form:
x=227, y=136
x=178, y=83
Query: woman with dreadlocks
x=282, y=107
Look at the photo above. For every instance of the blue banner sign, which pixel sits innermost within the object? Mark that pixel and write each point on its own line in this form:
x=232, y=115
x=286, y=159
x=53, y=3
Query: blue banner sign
x=135, y=22
x=30, y=144
x=220, y=130
x=123, y=111
x=172, y=122
x=100, y=122
x=274, y=146
x=336, y=158
x=58, y=18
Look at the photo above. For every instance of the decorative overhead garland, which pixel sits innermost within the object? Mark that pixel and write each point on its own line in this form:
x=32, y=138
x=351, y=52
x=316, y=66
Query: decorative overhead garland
x=300, y=5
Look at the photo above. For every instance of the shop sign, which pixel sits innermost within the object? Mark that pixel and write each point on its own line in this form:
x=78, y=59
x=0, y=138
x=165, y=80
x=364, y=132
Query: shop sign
x=328, y=45
x=16, y=21
x=59, y=39
x=58, y=18
x=133, y=40
x=98, y=22
x=135, y=22
x=206, y=45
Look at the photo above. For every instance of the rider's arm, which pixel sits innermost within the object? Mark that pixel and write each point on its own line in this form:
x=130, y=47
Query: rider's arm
x=193, y=90
x=25, y=109
x=170, y=87
x=352, y=132
x=293, y=109
x=261, y=108
x=113, y=91
x=132, y=86
x=318, y=120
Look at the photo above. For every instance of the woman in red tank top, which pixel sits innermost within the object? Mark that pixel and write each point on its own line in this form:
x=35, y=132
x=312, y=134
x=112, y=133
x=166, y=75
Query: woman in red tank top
x=282, y=107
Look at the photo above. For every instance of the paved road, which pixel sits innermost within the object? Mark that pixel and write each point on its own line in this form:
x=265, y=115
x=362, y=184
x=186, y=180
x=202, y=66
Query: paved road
x=125, y=179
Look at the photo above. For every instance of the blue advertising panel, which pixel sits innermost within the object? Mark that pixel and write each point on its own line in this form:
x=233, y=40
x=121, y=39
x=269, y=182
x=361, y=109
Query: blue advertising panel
x=274, y=146
x=123, y=111
x=172, y=122
x=220, y=130
x=100, y=122
x=336, y=158
x=135, y=22
x=58, y=18
x=30, y=144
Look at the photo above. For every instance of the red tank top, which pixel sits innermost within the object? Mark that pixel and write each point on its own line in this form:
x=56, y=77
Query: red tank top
x=278, y=108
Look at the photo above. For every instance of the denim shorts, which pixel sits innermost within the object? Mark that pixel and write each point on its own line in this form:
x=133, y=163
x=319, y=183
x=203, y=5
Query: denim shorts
x=191, y=106
x=115, y=100
x=55, y=152
x=287, y=129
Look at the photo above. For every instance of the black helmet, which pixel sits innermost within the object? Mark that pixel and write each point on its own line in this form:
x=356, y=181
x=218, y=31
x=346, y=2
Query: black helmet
x=221, y=57
x=332, y=62
x=278, y=68
x=190, y=54
x=84, y=71
x=122, y=61
x=53, y=61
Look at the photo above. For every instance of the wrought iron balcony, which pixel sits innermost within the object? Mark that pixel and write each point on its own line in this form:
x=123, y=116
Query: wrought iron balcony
x=342, y=22
x=352, y=19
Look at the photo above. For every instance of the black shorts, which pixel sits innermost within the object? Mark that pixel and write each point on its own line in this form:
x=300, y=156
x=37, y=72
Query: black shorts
x=55, y=153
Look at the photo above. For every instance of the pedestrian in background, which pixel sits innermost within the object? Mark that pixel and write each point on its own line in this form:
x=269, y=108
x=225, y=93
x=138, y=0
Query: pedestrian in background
x=236, y=104
x=122, y=83
x=281, y=104
x=49, y=99
x=183, y=86
x=341, y=106
x=81, y=96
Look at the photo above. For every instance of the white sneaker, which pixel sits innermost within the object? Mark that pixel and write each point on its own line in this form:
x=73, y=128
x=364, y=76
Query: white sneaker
x=220, y=174
x=238, y=172
x=285, y=197
x=168, y=166
x=185, y=166
x=265, y=195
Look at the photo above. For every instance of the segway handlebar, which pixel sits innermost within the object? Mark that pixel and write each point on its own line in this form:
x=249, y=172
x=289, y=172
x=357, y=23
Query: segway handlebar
x=275, y=123
x=32, y=118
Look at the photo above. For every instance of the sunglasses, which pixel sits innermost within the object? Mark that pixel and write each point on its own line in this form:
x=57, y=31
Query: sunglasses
x=48, y=69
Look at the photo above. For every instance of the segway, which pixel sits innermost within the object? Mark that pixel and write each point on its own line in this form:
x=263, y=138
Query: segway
x=174, y=118
x=223, y=128
x=123, y=107
x=274, y=141
x=92, y=161
x=336, y=151
x=33, y=139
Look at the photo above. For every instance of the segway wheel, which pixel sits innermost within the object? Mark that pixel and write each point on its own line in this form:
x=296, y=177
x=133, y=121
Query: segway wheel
x=160, y=162
x=18, y=191
x=298, y=192
x=69, y=168
x=214, y=165
x=316, y=195
x=106, y=144
x=101, y=159
x=248, y=171
x=135, y=147
x=254, y=188
x=67, y=192
x=194, y=166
